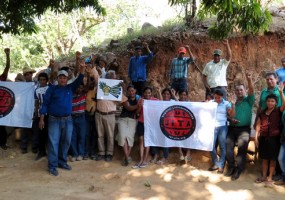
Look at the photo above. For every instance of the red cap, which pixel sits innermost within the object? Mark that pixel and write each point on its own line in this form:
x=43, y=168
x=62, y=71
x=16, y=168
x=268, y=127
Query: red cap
x=182, y=50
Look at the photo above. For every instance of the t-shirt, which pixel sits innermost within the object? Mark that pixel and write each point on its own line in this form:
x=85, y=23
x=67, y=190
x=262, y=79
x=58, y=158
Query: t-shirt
x=264, y=93
x=281, y=74
x=243, y=111
x=216, y=73
x=270, y=124
x=141, y=118
x=221, y=114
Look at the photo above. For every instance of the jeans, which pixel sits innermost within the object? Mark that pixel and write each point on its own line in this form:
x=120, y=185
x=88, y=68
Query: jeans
x=281, y=159
x=241, y=136
x=155, y=151
x=3, y=135
x=91, y=135
x=78, y=138
x=179, y=84
x=220, y=136
x=59, y=137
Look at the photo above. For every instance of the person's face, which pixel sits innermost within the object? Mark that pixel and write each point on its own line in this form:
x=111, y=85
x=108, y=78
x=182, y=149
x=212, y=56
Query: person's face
x=271, y=103
x=28, y=76
x=181, y=55
x=62, y=80
x=283, y=62
x=218, y=98
x=102, y=64
x=147, y=94
x=131, y=92
x=216, y=58
x=240, y=91
x=166, y=96
x=42, y=81
x=138, y=52
x=271, y=81
x=183, y=96
x=79, y=90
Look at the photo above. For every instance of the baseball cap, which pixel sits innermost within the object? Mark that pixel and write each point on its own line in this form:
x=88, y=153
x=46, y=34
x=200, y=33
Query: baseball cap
x=217, y=52
x=138, y=47
x=62, y=72
x=182, y=50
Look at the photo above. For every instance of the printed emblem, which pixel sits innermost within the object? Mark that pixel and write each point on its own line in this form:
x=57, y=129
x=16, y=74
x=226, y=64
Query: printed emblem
x=115, y=90
x=177, y=122
x=7, y=101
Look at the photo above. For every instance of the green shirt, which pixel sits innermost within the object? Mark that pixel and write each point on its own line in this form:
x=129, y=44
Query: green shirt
x=264, y=93
x=244, y=111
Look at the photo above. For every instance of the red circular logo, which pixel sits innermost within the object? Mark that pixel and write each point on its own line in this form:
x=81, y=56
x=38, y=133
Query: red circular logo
x=7, y=101
x=177, y=122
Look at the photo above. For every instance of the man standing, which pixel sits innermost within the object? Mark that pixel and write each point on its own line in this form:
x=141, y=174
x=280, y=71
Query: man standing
x=239, y=129
x=179, y=69
x=137, y=67
x=58, y=105
x=3, y=77
x=215, y=72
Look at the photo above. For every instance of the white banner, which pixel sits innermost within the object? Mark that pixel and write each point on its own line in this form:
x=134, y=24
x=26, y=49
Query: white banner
x=109, y=89
x=17, y=104
x=179, y=124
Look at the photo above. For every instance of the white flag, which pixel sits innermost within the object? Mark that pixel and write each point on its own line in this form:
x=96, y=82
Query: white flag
x=179, y=124
x=17, y=104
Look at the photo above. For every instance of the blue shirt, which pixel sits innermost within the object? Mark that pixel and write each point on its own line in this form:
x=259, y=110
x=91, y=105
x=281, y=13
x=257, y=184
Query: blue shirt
x=137, y=67
x=58, y=99
x=281, y=74
x=222, y=114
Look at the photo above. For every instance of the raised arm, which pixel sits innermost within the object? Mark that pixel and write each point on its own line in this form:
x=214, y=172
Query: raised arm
x=191, y=68
x=229, y=51
x=6, y=70
x=250, y=83
x=280, y=88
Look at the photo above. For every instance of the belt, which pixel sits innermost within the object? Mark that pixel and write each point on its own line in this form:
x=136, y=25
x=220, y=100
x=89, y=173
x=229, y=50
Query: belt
x=106, y=113
x=78, y=114
x=60, y=117
x=240, y=127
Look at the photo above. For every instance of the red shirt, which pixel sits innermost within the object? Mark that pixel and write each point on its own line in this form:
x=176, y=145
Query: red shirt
x=141, y=118
x=78, y=104
x=270, y=124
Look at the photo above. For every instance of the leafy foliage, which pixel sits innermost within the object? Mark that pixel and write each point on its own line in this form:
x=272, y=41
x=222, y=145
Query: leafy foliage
x=246, y=16
x=18, y=16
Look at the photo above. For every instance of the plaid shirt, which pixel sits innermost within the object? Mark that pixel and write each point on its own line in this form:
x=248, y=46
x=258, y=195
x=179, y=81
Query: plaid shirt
x=179, y=68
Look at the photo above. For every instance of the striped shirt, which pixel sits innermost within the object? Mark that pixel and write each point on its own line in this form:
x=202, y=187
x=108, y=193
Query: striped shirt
x=179, y=67
x=78, y=104
x=39, y=95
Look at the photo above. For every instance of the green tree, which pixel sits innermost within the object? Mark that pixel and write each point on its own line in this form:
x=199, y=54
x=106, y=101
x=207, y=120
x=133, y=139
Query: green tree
x=18, y=16
x=245, y=16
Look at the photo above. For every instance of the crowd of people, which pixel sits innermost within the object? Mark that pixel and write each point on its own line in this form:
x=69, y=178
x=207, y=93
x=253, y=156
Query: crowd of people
x=71, y=124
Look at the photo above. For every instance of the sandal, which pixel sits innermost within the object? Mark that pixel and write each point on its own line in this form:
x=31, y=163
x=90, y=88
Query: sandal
x=136, y=166
x=161, y=162
x=260, y=180
x=269, y=184
x=143, y=165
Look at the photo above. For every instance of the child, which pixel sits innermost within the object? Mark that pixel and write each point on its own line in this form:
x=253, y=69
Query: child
x=267, y=138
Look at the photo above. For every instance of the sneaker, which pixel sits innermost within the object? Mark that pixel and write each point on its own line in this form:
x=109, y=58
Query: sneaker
x=99, y=157
x=136, y=166
x=65, y=166
x=40, y=155
x=108, y=158
x=143, y=165
x=53, y=172
x=79, y=158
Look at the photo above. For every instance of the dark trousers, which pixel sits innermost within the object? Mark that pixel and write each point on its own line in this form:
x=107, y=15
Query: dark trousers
x=35, y=136
x=239, y=135
x=139, y=86
x=3, y=135
x=42, y=135
x=179, y=84
x=91, y=137
x=211, y=91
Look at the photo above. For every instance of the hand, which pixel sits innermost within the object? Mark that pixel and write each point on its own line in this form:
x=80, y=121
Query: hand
x=248, y=75
x=225, y=42
x=7, y=51
x=234, y=121
x=281, y=87
x=51, y=63
x=41, y=124
x=173, y=92
x=187, y=46
x=77, y=54
x=158, y=89
x=145, y=45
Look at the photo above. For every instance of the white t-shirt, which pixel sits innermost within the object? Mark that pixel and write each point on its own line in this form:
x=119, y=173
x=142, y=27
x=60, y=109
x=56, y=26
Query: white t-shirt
x=216, y=73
